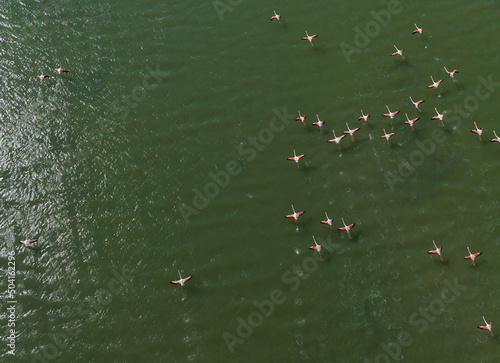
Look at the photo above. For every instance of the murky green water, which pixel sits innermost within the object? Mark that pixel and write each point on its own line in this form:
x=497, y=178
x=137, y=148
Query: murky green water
x=164, y=148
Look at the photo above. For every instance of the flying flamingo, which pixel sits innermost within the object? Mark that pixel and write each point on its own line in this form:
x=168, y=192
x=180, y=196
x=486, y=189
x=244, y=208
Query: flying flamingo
x=319, y=123
x=387, y=136
x=496, y=139
x=411, y=122
x=477, y=131
x=310, y=38
x=435, y=84
x=363, y=116
x=336, y=139
x=347, y=228
x=486, y=327
x=328, y=221
x=181, y=281
x=295, y=215
x=451, y=74
x=472, y=256
x=350, y=132
x=316, y=247
x=437, y=251
x=60, y=70
x=301, y=118
x=418, y=30
x=28, y=242
x=276, y=16
x=42, y=76
x=439, y=116
x=416, y=104
x=296, y=158
x=398, y=52
x=390, y=114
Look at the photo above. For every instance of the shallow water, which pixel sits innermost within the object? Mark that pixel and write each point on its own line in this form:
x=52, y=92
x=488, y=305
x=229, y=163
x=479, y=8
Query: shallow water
x=113, y=166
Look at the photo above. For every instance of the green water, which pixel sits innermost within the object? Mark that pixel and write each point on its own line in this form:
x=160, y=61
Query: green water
x=112, y=168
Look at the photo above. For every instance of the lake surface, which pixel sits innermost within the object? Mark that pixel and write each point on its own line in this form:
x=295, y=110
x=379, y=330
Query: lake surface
x=164, y=149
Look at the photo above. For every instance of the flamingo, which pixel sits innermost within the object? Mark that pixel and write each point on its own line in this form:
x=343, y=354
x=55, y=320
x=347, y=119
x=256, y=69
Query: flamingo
x=347, y=228
x=296, y=158
x=295, y=215
x=398, y=52
x=439, y=116
x=418, y=30
x=276, y=16
x=336, y=139
x=416, y=104
x=486, y=327
x=387, y=136
x=328, y=221
x=411, y=122
x=316, y=247
x=60, y=70
x=496, y=139
x=435, y=84
x=437, y=250
x=319, y=123
x=363, y=116
x=477, y=131
x=181, y=281
x=42, y=76
x=301, y=118
x=390, y=114
x=310, y=38
x=451, y=74
x=350, y=132
x=28, y=242
x=472, y=256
